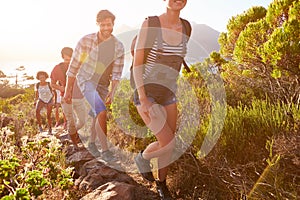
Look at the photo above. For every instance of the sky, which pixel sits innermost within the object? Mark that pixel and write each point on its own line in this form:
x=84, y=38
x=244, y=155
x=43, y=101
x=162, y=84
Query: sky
x=34, y=31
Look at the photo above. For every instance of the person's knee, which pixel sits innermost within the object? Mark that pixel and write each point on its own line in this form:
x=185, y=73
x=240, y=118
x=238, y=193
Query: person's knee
x=101, y=116
x=82, y=118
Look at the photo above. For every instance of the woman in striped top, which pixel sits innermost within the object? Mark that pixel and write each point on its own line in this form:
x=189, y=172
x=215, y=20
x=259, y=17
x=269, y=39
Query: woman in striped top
x=155, y=97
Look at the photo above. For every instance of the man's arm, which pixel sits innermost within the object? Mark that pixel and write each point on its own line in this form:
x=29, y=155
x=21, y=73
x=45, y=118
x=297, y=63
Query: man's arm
x=111, y=94
x=116, y=72
x=69, y=89
x=77, y=58
x=56, y=86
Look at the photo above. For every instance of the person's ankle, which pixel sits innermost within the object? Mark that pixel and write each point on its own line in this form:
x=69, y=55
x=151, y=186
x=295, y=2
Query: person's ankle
x=162, y=182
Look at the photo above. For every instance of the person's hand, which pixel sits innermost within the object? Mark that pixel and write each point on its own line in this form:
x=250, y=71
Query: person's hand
x=145, y=106
x=67, y=97
x=62, y=89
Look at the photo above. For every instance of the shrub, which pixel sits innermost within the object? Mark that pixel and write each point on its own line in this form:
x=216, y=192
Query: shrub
x=32, y=170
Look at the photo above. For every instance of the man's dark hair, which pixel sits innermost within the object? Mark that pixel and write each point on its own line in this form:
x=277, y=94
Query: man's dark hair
x=103, y=14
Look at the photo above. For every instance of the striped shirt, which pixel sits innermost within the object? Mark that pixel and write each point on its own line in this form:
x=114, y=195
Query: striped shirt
x=167, y=50
x=85, y=58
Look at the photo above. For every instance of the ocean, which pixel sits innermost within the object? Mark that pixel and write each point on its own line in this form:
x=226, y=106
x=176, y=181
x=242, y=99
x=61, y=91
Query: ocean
x=20, y=70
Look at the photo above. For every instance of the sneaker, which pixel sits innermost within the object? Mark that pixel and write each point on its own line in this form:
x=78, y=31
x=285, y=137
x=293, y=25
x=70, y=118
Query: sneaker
x=108, y=156
x=144, y=167
x=93, y=149
x=163, y=190
x=40, y=129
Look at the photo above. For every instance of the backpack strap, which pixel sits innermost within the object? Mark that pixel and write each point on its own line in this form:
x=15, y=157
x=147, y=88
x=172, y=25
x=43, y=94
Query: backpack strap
x=186, y=67
x=37, y=85
x=49, y=86
x=188, y=29
x=153, y=24
x=187, y=26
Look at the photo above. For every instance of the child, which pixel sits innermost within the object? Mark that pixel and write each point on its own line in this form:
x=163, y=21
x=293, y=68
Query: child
x=44, y=97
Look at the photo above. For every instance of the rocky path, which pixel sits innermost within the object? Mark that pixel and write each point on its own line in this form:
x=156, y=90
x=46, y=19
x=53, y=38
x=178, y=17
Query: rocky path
x=98, y=180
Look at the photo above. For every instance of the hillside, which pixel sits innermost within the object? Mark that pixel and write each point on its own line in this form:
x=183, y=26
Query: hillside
x=204, y=40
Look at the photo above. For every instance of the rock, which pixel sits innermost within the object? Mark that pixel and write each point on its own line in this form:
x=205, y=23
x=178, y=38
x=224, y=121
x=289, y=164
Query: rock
x=80, y=157
x=103, y=180
x=88, y=166
x=112, y=191
x=100, y=174
x=91, y=182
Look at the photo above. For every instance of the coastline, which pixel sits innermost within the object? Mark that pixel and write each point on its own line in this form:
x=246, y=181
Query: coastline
x=13, y=70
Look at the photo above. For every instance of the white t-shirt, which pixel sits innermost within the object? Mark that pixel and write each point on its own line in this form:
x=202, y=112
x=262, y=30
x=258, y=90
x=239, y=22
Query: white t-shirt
x=45, y=93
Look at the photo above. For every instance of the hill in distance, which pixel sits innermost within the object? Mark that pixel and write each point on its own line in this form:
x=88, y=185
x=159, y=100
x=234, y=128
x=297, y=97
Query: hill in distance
x=203, y=41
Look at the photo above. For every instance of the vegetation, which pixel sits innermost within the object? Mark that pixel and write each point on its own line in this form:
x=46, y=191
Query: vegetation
x=30, y=167
x=249, y=113
x=7, y=91
x=262, y=49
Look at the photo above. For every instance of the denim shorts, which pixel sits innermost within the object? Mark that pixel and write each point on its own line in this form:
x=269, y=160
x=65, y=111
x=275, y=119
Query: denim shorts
x=162, y=100
x=41, y=104
x=93, y=97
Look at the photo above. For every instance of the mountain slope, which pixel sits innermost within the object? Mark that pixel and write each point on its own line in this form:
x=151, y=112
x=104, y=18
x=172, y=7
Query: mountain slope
x=203, y=41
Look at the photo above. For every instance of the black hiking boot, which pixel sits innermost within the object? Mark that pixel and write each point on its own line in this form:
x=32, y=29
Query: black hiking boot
x=144, y=167
x=163, y=190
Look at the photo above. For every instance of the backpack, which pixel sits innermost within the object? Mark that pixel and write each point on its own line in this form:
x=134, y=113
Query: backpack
x=153, y=21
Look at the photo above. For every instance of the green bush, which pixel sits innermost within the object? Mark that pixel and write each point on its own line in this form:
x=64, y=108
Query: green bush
x=249, y=127
x=33, y=169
